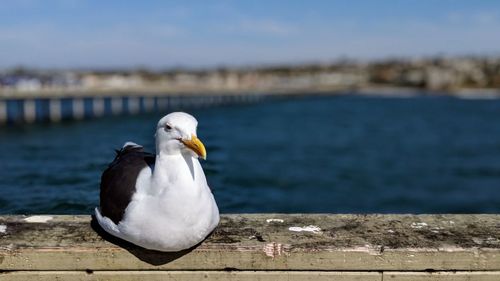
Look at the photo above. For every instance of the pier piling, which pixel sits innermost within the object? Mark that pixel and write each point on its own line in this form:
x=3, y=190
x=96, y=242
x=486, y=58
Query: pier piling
x=55, y=109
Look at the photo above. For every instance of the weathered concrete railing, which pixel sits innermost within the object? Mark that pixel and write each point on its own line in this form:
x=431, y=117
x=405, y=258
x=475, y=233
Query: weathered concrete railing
x=262, y=247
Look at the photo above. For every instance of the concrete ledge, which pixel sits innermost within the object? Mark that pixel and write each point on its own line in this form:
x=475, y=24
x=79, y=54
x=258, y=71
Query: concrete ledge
x=264, y=247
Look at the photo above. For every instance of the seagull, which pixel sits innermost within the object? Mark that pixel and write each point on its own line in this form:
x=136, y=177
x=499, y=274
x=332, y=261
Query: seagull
x=159, y=201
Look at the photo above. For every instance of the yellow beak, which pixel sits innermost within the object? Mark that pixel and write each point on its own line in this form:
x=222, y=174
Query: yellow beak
x=196, y=145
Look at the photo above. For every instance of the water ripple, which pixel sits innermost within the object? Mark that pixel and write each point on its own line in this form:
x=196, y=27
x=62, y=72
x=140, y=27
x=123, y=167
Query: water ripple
x=321, y=154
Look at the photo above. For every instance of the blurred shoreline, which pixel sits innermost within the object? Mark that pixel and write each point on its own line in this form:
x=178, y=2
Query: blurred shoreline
x=467, y=77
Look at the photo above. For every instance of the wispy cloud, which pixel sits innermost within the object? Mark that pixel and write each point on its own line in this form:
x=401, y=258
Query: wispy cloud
x=200, y=34
x=475, y=17
x=266, y=27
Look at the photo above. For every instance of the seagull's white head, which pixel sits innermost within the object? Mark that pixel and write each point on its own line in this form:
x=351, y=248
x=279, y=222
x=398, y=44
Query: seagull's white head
x=176, y=134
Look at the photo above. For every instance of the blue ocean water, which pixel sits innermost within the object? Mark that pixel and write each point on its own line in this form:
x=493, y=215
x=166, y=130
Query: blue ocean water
x=331, y=154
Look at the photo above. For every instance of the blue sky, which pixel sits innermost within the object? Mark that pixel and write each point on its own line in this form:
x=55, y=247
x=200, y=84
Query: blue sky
x=159, y=34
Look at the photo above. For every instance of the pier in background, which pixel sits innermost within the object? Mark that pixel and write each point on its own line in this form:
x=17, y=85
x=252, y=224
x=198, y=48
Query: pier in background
x=55, y=109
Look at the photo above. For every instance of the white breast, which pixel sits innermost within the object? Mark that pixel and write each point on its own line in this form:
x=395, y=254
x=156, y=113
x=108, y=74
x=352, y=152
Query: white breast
x=173, y=208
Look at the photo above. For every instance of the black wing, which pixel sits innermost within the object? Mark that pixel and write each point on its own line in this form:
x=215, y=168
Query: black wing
x=119, y=179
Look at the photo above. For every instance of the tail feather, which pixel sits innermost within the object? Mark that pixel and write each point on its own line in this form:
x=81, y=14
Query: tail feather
x=108, y=225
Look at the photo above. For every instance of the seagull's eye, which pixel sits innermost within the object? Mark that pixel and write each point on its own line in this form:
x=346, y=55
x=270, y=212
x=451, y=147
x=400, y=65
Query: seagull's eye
x=168, y=127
